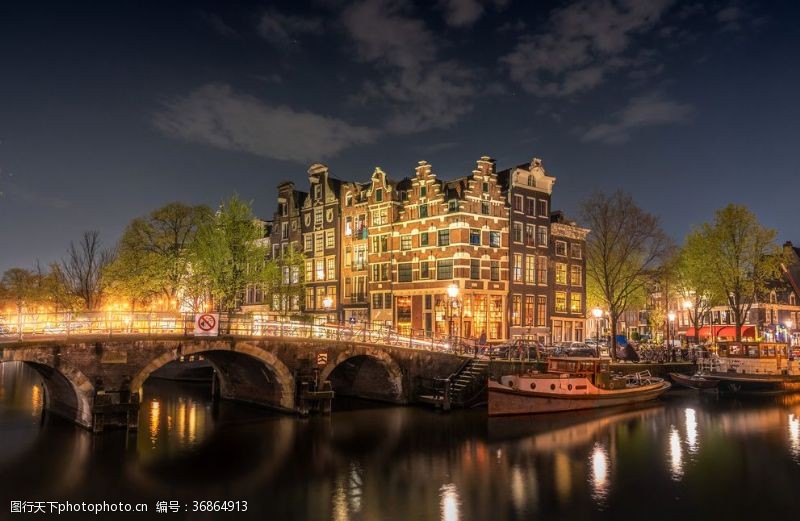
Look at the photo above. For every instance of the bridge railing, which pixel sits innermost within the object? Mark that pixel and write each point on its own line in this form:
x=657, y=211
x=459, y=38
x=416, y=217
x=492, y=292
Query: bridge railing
x=118, y=323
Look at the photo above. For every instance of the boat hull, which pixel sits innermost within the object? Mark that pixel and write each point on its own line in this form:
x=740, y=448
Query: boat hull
x=702, y=383
x=504, y=401
x=756, y=384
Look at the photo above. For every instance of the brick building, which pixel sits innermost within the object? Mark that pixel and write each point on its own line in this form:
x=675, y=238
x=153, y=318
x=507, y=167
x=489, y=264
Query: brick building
x=568, y=268
x=354, y=263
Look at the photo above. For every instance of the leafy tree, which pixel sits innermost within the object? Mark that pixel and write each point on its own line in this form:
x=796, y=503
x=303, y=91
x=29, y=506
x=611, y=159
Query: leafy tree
x=19, y=286
x=153, y=255
x=694, y=279
x=743, y=259
x=624, y=246
x=83, y=270
x=228, y=254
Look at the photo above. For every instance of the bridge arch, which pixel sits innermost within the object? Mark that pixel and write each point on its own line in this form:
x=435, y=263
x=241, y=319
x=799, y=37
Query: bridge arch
x=214, y=351
x=394, y=374
x=69, y=393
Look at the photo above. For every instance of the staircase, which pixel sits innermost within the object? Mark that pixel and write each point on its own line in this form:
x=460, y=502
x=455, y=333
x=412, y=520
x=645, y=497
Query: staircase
x=464, y=388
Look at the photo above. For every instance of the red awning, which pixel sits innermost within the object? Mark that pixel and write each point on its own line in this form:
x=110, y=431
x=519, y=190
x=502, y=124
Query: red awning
x=723, y=331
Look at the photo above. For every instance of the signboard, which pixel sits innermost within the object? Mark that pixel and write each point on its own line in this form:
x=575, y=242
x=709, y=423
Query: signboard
x=206, y=324
x=113, y=357
x=322, y=358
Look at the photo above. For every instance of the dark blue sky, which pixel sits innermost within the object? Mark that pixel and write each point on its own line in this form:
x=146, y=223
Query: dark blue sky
x=108, y=110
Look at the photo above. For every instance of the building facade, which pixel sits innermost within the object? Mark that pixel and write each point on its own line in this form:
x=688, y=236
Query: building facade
x=568, y=268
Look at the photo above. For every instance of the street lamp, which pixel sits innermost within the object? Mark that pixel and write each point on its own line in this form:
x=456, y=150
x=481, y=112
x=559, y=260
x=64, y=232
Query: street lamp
x=597, y=313
x=327, y=303
x=452, y=292
x=671, y=317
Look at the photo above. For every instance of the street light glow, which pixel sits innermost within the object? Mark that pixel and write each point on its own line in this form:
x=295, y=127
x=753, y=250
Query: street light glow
x=452, y=291
x=597, y=312
x=671, y=316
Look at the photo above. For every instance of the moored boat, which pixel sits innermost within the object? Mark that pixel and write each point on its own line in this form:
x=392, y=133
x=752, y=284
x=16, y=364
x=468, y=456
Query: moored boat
x=571, y=383
x=753, y=367
x=695, y=381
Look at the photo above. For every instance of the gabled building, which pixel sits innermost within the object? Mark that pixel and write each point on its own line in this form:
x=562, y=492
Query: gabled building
x=354, y=262
x=568, y=268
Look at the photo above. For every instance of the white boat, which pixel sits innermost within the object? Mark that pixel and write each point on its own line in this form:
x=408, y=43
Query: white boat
x=570, y=384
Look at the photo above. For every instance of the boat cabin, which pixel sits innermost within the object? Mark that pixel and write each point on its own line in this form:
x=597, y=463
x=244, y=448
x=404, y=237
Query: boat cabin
x=596, y=370
x=755, y=358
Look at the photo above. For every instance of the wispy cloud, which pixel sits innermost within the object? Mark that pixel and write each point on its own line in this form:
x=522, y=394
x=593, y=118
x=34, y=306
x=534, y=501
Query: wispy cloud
x=582, y=44
x=423, y=90
x=218, y=25
x=216, y=115
x=644, y=111
x=283, y=30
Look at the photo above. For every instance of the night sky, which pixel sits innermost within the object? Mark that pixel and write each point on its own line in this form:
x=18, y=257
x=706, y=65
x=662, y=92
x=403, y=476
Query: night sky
x=111, y=109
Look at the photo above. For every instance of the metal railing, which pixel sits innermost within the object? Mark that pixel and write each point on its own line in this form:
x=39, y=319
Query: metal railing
x=14, y=328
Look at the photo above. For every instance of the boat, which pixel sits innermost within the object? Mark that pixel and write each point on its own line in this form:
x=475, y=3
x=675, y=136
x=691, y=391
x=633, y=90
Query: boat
x=753, y=367
x=571, y=384
x=695, y=381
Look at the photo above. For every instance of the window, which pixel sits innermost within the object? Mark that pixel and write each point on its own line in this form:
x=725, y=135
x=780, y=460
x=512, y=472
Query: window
x=529, y=310
x=387, y=301
x=348, y=226
x=541, y=207
x=530, y=235
x=380, y=217
x=530, y=269
x=348, y=199
x=561, y=248
x=444, y=237
x=485, y=187
x=317, y=191
x=377, y=301
x=331, y=268
x=380, y=243
x=319, y=242
x=517, y=272
x=541, y=310
x=541, y=269
x=561, y=301
x=380, y=272
x=494, y=273
x=485, y=207
x=474, y=237
x=405, y=242
x=575, y=251
x=284, y=231
x=423, y=210
x=317, y=216
x=452, y=205
x=283, y=209
x=285, y=277
x=309, y=298
x=423, y=239
x=575, y=302
x=561, y=273
x=516, y=305
x=379, y=195
x=517, y=232
x=575, y=276
x=423, y=191
x=530, y=206
x=329, y=241
x=308, y=239
x=494, y=239
x=474, y=269
x=541, y=238
x=444, y=269
x=320, y=269
x=518, y=203
x=424, y=270
x=404, y=272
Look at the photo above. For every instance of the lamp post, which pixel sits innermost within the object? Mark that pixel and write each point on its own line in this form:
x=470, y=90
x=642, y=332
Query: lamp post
x=687, y=306
x=671, y=317
x=452, y=292
x=597, y=313
x=327, y=303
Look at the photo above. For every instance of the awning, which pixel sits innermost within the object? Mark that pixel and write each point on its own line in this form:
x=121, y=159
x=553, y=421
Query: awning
x=723, y=331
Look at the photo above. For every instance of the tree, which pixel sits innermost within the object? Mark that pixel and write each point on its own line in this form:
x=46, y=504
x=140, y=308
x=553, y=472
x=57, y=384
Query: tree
x=742, y=257
x=83, y=270
x=19, y=286
x=285, y=277
x=154, y=252
x=694, y=279
x=228, y=254
x=130, y=276
x=624, y=246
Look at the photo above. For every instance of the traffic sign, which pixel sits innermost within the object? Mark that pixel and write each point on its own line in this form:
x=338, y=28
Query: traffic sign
x=206, y=324
x=322, y=358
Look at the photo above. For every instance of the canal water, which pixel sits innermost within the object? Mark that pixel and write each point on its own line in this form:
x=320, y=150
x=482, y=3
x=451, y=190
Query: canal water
x=685, y=457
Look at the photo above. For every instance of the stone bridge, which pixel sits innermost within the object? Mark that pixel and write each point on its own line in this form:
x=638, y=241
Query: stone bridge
x=97, y=383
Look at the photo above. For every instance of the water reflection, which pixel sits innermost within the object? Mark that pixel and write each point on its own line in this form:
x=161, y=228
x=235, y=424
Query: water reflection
x=675, y=454
x=691, y=429
x=794, y=435
x=450, y=503
x=599, y=479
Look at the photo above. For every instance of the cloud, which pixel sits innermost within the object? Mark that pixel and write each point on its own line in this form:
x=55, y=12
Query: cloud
x=283, y=30
x=218, y=25
x=585, y=42
x=644, y=111
x=422, y=90
x=461, y=13
x=216, y=115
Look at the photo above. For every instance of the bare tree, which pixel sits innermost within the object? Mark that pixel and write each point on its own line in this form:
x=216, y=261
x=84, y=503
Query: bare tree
x=625, y=246
x=83, y=269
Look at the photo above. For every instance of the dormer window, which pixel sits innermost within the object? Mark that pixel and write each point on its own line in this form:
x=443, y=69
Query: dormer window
x=349, y=199
x=485, y=187
x=317, y=191
x=423, y=191
x=379, y=195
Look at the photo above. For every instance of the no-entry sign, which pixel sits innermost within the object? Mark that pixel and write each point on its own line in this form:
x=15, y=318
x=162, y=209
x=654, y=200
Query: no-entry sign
x=206, y=324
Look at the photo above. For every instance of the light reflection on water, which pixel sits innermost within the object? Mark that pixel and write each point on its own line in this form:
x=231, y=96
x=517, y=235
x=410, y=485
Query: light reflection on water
x=408, y=463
